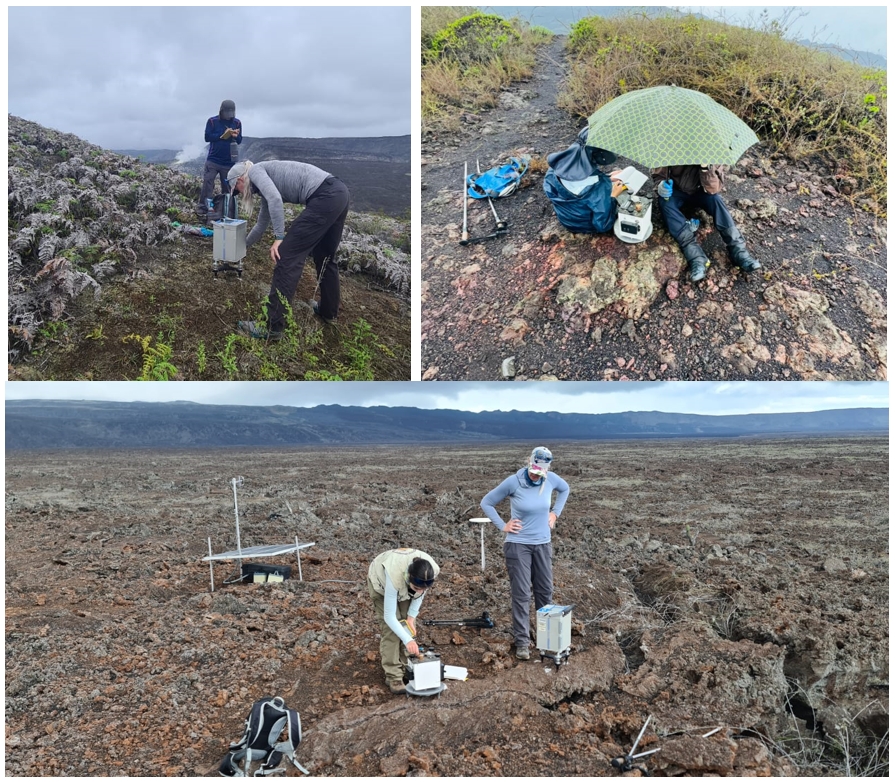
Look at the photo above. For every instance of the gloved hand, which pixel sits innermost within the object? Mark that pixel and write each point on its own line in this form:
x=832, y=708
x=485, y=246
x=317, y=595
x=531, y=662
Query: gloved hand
x=664, y=189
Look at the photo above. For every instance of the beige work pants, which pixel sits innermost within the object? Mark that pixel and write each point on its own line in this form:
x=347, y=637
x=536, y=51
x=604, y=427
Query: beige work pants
x=391, y=649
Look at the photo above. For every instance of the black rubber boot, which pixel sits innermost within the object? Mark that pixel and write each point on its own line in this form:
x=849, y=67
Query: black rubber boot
x=697, y=261
x=736, y=249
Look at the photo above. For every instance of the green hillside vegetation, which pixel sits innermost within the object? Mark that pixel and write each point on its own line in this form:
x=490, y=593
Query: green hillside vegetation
x=468, y=57
x=800, y=102
x=104, y=284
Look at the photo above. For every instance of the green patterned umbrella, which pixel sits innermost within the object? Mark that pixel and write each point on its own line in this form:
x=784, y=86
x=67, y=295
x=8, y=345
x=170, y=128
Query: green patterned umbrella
x=669, y=126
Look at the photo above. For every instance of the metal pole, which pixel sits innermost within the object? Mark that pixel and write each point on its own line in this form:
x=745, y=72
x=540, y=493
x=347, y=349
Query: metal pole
x=236, y=512
x=211, y=565
x=497, y=220
x=464, y=238
x=298, y=558
x=640, y=735
x=481, y=522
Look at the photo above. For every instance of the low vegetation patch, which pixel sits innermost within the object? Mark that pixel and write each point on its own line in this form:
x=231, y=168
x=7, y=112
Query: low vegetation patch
x=105, y=285
x=468, y=57
x=799, y=101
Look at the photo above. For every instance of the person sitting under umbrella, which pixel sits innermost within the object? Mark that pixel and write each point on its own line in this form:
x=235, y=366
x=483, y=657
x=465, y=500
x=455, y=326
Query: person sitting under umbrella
x=581, y=194
x=679, y=187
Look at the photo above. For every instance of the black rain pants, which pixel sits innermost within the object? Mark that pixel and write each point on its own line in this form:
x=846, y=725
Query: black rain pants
x=316, y=231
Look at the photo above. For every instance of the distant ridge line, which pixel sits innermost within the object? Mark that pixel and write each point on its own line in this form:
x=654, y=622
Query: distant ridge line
x=62, y=424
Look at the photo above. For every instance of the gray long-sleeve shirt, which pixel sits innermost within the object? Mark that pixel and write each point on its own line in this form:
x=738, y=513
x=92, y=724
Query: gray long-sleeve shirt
x=281, y=181
x=528, y=504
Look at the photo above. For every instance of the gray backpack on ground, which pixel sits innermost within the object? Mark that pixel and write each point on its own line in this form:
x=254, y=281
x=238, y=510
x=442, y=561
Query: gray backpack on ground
x=272, y=730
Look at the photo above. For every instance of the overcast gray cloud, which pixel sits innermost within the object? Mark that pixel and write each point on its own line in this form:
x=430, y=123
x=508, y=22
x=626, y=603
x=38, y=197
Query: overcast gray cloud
x=861, y=28
x=149, y=78
x=567, y=397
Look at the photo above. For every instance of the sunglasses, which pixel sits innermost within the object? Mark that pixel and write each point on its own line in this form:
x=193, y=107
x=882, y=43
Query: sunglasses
x=422, y=584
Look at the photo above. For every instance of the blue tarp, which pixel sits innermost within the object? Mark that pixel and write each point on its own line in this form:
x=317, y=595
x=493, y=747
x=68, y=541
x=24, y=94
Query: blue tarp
x=593, y=210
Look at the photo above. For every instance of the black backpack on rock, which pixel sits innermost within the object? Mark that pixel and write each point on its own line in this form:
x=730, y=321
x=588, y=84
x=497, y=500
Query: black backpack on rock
x=272, y=730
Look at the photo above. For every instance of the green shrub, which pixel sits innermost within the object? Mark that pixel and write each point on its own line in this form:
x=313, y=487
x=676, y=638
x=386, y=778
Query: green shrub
x=474, y=40
x=469, y=59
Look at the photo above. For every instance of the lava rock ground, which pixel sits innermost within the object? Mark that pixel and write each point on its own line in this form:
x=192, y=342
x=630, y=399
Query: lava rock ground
x=588, y=307
x=738, y=584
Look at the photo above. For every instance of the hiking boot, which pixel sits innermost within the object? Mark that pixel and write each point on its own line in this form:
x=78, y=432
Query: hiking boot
x=396, y=687
x=736, y=249
x=522, y=653
x=255, y=330
x=315, y=307
x=697, y=261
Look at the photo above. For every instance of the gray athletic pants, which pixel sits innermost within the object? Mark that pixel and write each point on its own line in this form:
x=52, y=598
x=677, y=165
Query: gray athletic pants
x=212, y=172
x=531, y=569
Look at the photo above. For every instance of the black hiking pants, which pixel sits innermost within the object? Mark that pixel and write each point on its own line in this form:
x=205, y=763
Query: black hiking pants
x=672, y=210
x=316, y=231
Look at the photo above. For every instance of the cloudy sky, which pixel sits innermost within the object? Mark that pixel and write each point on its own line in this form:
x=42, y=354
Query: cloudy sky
x=862, y=28
x=566, y=397
x=149, y=78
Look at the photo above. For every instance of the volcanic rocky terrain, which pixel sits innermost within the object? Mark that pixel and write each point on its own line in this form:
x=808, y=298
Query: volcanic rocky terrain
x=736, y=584
x=109, y=276
x=539, y=302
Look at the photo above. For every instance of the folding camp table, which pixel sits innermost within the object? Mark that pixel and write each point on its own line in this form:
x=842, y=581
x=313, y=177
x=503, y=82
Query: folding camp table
x=252, y=551
x=256, y=551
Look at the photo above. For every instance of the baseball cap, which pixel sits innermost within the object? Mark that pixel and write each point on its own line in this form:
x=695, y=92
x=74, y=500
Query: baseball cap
x=541, y=456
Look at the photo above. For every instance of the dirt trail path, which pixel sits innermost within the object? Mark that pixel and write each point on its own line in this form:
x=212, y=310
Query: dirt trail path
x=587, y=307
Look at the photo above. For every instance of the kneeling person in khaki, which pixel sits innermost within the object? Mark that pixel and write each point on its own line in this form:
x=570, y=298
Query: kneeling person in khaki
x=397, y=581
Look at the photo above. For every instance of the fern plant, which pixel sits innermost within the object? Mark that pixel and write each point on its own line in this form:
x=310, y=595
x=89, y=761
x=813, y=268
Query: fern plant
x=156, y=358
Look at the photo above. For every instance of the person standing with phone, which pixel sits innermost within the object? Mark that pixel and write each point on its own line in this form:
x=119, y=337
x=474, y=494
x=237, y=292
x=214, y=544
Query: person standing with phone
x=223, y=133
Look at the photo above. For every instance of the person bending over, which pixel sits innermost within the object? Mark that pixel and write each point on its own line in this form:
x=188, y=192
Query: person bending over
x=317, y=231
x=397, y=581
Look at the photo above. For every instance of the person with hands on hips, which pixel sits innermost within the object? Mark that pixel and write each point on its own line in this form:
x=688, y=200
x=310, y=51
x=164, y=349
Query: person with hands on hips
x=397, y=581
x=317, y=232
x=527, y=548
